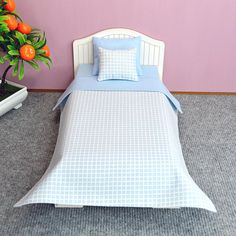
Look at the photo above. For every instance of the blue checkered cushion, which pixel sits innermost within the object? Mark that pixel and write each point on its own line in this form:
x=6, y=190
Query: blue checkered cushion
x=117, y=64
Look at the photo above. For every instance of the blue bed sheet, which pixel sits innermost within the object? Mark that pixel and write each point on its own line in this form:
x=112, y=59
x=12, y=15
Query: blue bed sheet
x=149, y=81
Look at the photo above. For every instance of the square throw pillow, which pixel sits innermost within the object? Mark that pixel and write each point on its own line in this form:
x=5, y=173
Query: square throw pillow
x=117, y=65
x=116, y=44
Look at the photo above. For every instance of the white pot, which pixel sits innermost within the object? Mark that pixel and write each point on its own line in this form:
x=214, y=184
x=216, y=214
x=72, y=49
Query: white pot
x=15, y=100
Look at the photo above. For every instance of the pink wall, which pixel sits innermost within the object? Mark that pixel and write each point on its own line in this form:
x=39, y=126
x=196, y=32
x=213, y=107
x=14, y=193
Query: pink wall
x=200, y=37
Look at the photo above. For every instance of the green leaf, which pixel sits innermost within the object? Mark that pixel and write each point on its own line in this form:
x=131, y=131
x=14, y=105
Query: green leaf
x=28, y=42
x=4, y=28
x=14, y=61
x=20, y=38
x=34, y=65
x=15, y=70
x=7, y=57
x=38, y=52
x=14, y=53
x=1, y=39
x=1, y=60
x=48, y=58
x=41, y=43
x=34, y=37
x=11, y=47
x=2, y=18
x=22, y=71
x=45, y=57
x=45, y=60
x=12, y=41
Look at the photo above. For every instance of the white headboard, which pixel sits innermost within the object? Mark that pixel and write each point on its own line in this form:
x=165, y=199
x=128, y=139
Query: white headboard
x=152, y=50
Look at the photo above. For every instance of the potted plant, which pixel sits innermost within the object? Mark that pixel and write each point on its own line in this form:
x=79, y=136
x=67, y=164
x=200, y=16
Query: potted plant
x=19, y=45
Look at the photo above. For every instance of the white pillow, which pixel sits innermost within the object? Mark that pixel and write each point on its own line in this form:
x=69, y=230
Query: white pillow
x=117, y=64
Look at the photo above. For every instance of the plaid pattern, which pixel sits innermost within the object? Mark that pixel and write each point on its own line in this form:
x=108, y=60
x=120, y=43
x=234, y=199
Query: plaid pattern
x=118, y=149
x=117, y=64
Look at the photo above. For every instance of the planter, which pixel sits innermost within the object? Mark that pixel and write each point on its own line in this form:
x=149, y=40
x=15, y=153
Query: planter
x=15, y=100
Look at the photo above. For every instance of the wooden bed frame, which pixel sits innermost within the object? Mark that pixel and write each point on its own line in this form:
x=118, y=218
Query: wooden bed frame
x=152, y=53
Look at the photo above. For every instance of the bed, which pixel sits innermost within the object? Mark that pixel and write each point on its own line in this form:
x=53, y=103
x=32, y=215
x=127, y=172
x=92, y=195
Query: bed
x=118, y=145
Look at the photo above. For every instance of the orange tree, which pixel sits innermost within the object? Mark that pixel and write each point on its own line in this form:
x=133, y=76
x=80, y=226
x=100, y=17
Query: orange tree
x=19, y=44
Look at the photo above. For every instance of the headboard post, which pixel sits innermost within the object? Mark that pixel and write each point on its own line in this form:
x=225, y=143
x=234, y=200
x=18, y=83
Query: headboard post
x=152, y=50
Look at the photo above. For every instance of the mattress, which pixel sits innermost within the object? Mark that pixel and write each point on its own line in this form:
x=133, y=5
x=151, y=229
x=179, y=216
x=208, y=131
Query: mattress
x=118, y=148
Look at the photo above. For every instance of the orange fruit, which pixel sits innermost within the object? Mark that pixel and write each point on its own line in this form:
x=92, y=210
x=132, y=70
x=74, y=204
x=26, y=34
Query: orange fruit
x=10, y=6
x=46, y=51
x=27, y=52
x=11, y=22
x=24, y=28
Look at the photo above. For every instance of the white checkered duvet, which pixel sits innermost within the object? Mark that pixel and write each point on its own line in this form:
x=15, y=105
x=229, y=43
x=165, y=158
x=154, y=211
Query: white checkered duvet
x=118, y=149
